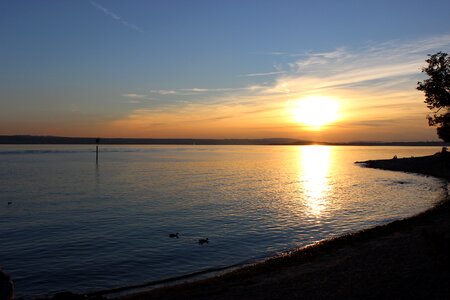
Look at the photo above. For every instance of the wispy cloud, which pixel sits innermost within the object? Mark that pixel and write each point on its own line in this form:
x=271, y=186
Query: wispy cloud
x=133, y=95
x=382, y=68
x=369, y=66
x=116, y=17
x=198, y=90
x=208, y=90
x=321, y=58
x=263, y=74
x=135, y=98
x=288, y=54
x=375, y=85
x=164, y=92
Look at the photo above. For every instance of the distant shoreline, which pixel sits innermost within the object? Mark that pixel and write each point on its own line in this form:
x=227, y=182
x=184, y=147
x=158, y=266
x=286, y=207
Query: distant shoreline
x=53, y=140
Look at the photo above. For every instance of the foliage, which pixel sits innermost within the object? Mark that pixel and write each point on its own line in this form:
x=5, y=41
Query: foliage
x=437, y=93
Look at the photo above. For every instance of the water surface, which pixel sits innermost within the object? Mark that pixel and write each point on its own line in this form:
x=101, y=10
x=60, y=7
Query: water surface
x=74, y=225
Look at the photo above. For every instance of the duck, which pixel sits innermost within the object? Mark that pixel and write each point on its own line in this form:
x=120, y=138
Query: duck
x=173, y=235
x=203, y=241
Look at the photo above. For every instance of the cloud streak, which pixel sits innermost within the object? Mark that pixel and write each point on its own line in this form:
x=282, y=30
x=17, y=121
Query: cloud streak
x=264, y=74
x=135, y=96
x=116, y=17
x=390, y=63
x=375, y=85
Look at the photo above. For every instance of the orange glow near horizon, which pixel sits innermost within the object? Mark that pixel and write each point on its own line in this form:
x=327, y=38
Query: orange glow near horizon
x=366, y=115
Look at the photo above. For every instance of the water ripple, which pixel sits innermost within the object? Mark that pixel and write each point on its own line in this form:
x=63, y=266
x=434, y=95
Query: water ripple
x=76, y=226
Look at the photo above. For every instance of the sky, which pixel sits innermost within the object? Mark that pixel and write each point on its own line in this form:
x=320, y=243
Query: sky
x=218, y=69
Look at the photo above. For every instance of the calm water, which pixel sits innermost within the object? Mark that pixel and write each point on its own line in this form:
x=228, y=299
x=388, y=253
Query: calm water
x=81, y=227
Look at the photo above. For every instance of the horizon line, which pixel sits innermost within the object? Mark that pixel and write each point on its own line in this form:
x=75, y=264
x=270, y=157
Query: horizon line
x=53, y=139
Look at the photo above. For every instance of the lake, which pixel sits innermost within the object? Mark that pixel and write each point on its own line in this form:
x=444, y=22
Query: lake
x=74, y=225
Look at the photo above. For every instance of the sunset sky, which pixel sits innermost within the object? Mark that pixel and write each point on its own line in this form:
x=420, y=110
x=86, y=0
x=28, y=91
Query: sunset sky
x=218, y=69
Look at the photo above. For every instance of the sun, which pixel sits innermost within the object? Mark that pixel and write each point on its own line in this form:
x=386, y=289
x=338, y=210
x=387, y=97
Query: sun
x=316, y=111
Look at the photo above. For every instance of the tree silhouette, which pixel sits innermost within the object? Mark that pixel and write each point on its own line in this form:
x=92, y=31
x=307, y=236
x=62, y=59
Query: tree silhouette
x=437, y=93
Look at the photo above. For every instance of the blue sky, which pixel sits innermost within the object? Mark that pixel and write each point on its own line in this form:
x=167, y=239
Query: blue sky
x=177, y=68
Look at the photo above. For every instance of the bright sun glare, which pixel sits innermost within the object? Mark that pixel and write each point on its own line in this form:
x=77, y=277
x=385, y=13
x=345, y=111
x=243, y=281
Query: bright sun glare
x=316, y=111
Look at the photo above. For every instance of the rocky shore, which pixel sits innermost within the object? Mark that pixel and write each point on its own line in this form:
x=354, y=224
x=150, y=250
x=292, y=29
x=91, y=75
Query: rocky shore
x=437, y=165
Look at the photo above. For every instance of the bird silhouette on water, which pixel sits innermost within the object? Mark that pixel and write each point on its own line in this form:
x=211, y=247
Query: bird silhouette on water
x=173, y=235
x=203, y=241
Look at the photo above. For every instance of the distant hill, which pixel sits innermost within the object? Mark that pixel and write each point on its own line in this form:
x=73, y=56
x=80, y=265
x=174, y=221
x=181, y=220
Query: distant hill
x=31, y=139
x=417, y=143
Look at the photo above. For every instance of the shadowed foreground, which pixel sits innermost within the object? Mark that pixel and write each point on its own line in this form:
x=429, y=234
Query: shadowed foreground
x=405, y=259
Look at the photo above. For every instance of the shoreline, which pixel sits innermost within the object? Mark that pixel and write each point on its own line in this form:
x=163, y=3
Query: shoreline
x=407, y=258
x=269, y=141
x=329, y=269
x=437, y=165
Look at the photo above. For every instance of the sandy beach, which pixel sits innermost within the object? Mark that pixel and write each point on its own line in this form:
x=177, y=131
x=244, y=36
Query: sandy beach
x=406, y=259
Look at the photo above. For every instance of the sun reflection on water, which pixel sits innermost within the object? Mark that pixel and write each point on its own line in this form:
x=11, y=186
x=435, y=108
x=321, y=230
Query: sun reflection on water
x=315, y=161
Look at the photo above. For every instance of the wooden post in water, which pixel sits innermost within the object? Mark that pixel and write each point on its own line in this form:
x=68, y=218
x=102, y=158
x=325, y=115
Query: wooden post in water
x=97, y=141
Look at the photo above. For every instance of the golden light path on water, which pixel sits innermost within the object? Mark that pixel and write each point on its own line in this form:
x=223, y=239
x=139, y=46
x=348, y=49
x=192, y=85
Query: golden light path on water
x=314, y=176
